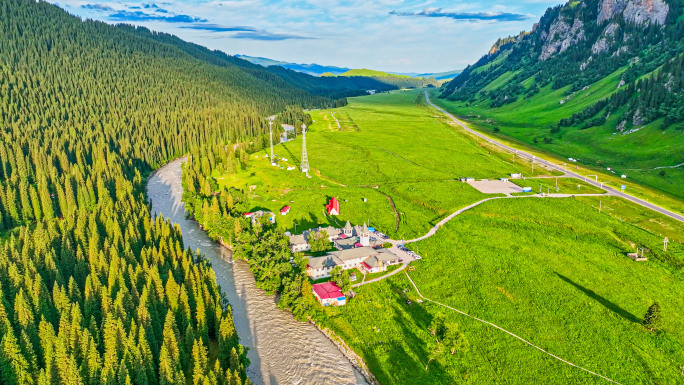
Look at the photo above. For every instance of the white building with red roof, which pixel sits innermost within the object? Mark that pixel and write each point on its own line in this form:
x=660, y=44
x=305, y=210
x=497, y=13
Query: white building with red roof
x=329, y=294
x=333, y=206
x=285, y=210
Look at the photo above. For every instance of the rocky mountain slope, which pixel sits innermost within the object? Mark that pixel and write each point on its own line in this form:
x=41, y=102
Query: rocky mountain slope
x=580, y=43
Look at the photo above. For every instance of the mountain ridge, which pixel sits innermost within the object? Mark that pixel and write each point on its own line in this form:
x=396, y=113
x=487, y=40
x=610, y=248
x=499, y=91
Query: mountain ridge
x=325, y=70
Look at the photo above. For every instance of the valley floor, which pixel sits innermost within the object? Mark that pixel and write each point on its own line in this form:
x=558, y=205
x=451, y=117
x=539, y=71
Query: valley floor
x=553, y=271
x=651, y=158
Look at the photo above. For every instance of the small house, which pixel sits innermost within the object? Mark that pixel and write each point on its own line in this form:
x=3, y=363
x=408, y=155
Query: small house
x=285, y=210
x=299, y=243
x=329, y=294
x=516, y=175
x=470, y=179
x=333, y=206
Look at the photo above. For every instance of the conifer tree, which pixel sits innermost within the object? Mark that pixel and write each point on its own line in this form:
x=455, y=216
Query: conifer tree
x=652, y=319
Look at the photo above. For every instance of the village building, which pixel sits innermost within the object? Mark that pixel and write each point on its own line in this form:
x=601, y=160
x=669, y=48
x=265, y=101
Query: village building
x=285, y=210
x=257, y=215
x=368, y=259
x=345, y=238
x=299, y=243
x=329, y=294
x=333, y=206
x=348, y=230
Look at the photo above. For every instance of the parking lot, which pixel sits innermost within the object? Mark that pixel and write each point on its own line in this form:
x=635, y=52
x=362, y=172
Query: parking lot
x=495, y=186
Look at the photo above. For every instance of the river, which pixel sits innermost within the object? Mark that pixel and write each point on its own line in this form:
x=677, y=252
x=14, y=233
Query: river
x=282, y=350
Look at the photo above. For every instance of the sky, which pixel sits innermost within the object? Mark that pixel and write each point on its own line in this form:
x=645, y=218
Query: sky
x=389, y=35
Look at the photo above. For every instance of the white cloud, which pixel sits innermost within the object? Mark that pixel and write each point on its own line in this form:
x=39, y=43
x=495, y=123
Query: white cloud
x=351, y=33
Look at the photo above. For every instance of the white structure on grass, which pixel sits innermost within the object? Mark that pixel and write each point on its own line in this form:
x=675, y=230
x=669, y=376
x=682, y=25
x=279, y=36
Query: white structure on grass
x=305, y=157
x=355, y=250
x=270, y=132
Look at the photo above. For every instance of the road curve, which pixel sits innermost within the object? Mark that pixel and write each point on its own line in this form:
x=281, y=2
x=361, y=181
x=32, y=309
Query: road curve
x=553, y=166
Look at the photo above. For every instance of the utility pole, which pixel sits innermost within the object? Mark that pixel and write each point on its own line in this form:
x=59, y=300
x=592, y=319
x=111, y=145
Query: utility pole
x=665, y=242
x=270, y=134
x=533, y=165
x=305, y=159
x=600, y=204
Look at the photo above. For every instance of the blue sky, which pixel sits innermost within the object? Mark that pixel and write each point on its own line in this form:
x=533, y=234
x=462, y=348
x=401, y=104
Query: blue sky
x=391, y=35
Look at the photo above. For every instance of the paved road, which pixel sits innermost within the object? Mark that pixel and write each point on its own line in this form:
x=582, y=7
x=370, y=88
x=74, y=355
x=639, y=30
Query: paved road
x=553, y=166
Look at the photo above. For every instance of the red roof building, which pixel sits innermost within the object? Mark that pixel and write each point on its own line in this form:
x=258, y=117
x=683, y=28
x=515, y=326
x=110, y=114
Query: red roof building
x=248, y=215
x=333, y=206
x=329, y=294
x=285, y=210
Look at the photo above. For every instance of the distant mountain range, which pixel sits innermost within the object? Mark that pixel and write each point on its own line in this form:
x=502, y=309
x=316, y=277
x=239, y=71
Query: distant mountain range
x=318, y=69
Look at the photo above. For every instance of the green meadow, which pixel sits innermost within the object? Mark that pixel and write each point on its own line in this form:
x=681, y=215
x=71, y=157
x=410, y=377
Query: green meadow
x=390, y=151
x=648, y=156
x=564, y=185
x=553, y=270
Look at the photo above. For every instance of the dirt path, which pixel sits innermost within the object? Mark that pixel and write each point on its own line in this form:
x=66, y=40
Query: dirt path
x=402, y=267
x=441, y=223
x=396, y=214
x=339, y=127
x=399, y=156
x=507, y=332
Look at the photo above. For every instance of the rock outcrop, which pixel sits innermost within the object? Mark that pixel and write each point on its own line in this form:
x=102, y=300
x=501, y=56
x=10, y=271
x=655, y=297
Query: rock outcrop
x=560, y=37
x=602, y=44
x=635, y=11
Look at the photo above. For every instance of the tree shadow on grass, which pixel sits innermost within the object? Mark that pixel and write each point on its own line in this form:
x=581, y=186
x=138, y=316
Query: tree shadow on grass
x=602, y=300
x=304, y=223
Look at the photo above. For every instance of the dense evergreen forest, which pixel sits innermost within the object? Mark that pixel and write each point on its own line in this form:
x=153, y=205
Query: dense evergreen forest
x=580, y=43
x=220, y=213
x=92, y=289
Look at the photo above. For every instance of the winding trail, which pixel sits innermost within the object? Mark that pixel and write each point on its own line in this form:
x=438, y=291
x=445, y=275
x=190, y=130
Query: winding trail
x=441, y=223
x=507, y=332
x=339, y=127
x=553, y=166
x=408, y=259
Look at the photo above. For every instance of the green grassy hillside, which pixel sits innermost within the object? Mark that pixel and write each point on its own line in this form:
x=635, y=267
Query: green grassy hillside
x=371, y=73
x=609, y=99
x=553, y=270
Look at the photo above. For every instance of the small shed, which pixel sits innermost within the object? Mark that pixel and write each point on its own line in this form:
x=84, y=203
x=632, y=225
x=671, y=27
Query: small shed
x=285, y=210
x=527, y=189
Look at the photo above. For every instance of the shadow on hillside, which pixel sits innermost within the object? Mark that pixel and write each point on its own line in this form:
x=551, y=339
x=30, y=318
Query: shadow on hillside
x=293, y=158
x=602, y=300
